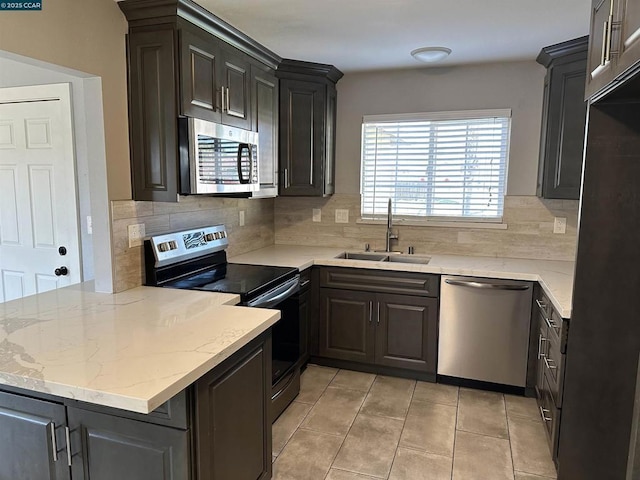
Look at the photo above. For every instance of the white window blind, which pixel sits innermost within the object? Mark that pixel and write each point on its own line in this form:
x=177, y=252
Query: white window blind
x=450, y=166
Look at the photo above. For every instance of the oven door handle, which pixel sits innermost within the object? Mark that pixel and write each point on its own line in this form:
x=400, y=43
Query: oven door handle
x=241, y=178
x=275, y=296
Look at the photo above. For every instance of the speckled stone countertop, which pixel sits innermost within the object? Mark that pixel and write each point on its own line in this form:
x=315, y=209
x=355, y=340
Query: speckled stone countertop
x=555, y=277
x=132, y=350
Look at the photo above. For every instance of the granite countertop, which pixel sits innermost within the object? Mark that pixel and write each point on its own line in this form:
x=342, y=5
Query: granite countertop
x=555, y=277
x=132, y=350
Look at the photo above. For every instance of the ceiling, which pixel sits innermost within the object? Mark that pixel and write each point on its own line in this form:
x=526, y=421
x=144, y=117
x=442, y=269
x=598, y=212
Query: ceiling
x=379, y=34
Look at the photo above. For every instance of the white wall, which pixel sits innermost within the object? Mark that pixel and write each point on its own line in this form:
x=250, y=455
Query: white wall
x=91, y=174
x=515, y=85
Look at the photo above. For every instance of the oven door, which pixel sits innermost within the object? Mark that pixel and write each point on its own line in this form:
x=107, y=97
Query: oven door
x=222, y=159
x=285, y=375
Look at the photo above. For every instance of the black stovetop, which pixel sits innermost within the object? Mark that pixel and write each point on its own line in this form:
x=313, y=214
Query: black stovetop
x=248, y=281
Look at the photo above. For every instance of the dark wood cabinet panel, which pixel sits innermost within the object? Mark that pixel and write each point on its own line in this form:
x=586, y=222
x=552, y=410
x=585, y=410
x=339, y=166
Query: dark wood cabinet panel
x=236, y=79
x=629, y=34
x=307, y=128
x=233, y=421
x=32, y=439
x=199, y=86
x=406, y=334
x=346, y=330
x=104, y=447
x=265, y=110
x=406, y=283
x=153, y=114
x=563, y=120
x=305, y=340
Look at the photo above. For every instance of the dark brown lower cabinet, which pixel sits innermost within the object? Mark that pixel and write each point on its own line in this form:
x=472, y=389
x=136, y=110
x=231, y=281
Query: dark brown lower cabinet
x=104, y=447
x=233, y=434
x=32, y=439
x=217, y=429
x=376, y=328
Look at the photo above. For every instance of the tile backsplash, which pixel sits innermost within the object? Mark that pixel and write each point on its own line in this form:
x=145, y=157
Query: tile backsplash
x=190, y=212
x=529, y=232
x=288, y=221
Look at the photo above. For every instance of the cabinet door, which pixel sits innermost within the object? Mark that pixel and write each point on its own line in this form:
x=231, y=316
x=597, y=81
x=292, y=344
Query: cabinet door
x=346, y=325
x=236, y=108
x=406, y=332
x=105, y=447
x=600, y=69
x=233, y=425
x=264, y=94
x=199, y=60
x=32, y=439
x=629, y=35
x=330, y=142
x=302, y=134
x=564, y=137
x=153, y=115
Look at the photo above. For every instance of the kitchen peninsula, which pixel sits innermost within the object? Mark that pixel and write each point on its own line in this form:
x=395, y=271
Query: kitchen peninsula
x=150, y=381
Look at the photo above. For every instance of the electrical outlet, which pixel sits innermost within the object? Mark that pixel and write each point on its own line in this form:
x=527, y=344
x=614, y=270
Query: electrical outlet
x=136, y=235
x=241, y=218
x=317, y=215
x=89, y=225
x=342, y=215
x=559, y=225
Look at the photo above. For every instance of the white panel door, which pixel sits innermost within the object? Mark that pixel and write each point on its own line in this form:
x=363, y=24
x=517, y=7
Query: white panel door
x=38, y=205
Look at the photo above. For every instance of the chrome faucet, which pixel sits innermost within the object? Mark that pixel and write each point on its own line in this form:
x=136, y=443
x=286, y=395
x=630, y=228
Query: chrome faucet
x=390, y=234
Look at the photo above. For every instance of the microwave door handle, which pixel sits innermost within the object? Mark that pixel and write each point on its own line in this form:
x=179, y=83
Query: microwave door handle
x=241, y=147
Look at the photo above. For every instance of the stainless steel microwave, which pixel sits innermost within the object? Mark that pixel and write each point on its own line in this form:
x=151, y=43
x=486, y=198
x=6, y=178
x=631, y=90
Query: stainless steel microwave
x=217, y=159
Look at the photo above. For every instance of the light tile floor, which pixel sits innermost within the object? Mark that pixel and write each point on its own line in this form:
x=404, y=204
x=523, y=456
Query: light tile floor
x=348, y=425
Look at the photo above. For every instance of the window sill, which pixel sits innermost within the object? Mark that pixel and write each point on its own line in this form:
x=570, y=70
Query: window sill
x=431, y=223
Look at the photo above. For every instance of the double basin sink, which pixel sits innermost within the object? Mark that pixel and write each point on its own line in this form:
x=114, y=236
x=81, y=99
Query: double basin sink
x=384, y=257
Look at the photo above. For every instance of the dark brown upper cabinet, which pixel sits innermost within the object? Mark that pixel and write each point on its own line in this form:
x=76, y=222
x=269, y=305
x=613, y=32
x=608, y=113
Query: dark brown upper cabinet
x=264, y=95
x=614, y=45
x=182, y=60
x=307, y=128
x=564, y=115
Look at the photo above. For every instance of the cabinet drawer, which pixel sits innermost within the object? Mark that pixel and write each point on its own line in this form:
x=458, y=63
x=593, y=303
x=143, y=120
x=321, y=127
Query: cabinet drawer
x=408, y=283
x=173, y=413
x=553, y=370
x=551, y=420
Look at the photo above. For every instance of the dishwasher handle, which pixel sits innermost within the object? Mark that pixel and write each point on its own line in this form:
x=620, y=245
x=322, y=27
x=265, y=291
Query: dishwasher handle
x=492, y=286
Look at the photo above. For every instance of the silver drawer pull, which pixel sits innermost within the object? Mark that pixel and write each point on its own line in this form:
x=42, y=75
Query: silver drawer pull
x=541, y=340
x=541, y=306
x=543, y=414
x=67, y=434
x=370, y=311
x=551, y=323
x=54, y=445
x=547, y=363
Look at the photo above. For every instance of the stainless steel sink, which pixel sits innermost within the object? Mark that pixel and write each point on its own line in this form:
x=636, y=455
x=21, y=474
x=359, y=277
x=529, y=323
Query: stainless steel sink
x=408, y=259
x=382, y=257
x=372, y=257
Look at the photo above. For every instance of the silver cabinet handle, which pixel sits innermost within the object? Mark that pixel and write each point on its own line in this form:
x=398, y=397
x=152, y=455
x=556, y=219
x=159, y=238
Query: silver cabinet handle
x=54, y=445
x=286, y=177
x=492, y=286
x=541, y=306
x=370, y=311
x=549, y=365
x=603, y=55
x=551, y=323
x=378, y=313
x=543, y=412
x=541, y=340
x=228, y=101
x=67, y=434
x=609, y=32
x=222, y=103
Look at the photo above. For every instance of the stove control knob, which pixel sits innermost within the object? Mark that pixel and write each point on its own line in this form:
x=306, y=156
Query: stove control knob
x=210, y=237
x=223, y=234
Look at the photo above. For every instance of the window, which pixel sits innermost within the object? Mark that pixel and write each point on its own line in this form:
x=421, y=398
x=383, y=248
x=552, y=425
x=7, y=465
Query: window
x=444, y=166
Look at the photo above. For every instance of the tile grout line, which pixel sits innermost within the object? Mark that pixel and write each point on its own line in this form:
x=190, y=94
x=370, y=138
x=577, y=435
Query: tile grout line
x=350, y=426
x=513, y=465
x=303, y=418
x=455, y=432
x=404, y=422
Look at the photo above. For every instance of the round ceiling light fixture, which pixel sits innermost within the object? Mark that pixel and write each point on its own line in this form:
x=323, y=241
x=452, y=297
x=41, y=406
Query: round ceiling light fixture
x=431, y=54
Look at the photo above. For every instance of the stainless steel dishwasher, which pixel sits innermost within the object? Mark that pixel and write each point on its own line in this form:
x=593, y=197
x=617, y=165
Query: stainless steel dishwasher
x=484, y=329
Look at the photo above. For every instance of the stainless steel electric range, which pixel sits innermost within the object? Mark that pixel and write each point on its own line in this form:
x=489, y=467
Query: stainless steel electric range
x=196, y=260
